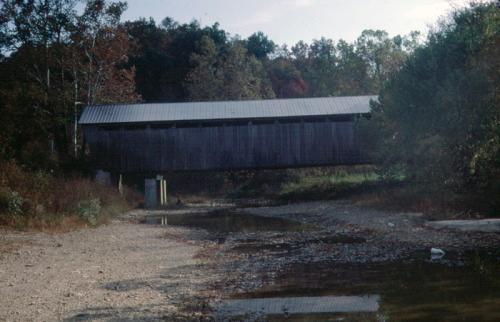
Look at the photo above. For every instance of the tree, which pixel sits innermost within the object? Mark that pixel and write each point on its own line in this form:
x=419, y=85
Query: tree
x=183, y=42
x=352, y=72
x=52, y=59
x=285, y=78
x=317, y=65
x=106, y=49
x=383, y=55
x=233, y=75
x=151, y=59
x=438, y=118
x=259, y=45
x=34, y=37
x=204, y=82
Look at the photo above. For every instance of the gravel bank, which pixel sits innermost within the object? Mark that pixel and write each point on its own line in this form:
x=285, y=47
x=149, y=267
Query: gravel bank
x=122, y=271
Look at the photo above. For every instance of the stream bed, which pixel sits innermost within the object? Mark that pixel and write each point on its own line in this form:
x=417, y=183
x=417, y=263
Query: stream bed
x=420, y=290
x=284, y=269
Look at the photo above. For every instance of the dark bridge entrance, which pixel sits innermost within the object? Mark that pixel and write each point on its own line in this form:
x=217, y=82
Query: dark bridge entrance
x=152, y=139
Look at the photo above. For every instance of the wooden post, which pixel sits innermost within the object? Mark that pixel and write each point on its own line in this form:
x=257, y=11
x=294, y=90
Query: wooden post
x=162, y=183
x=165, y=199
x=120, y=184
x=161, y=192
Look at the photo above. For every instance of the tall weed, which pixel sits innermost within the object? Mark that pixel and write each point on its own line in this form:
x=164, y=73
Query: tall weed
x=39, y=200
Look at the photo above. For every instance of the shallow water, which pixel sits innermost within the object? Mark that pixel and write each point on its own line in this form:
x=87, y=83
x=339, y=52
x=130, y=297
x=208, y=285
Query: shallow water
x=457, y=287
x=458, y=290
x=228, y=221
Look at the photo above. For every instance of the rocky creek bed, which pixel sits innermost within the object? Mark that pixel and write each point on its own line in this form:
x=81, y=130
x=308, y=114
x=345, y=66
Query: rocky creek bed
x=305, y=262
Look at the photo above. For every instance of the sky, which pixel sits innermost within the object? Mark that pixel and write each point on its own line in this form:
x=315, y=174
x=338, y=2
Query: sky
x=288, y=21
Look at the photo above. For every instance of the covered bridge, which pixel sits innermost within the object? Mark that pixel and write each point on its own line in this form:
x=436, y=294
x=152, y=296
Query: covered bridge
x=156, y=138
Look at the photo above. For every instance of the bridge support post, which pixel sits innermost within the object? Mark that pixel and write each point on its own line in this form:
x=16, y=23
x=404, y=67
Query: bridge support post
x=163, y=192
x=155, y=192
x=150, y=194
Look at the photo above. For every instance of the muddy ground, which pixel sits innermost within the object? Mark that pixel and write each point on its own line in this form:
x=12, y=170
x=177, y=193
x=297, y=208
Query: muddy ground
x=209, y=262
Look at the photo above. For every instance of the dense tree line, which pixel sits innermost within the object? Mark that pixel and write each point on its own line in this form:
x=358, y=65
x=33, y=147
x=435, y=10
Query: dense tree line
x=53, y=61
x=438, y=118
x=205, y=63
x=56, y=59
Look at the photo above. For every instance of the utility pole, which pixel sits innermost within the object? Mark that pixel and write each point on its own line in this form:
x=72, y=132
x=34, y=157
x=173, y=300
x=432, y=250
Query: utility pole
x=75, y=130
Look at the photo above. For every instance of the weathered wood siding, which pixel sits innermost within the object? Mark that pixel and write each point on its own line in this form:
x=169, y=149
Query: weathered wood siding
x=157, y=148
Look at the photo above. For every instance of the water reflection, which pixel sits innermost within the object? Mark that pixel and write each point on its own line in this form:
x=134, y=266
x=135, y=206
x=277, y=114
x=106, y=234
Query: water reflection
x=416, y=291
x=299, y=305
x=227, y=221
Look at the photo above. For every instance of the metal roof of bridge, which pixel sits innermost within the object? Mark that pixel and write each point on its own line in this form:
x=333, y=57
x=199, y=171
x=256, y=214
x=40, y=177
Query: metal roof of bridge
x=225, y=110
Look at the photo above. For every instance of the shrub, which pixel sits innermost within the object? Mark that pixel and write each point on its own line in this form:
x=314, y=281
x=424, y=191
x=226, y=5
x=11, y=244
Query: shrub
x=11, y=202
x=40, y=200
x=89, y=210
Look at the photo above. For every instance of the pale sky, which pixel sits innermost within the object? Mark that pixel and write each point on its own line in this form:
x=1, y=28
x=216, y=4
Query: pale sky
x=288, y=21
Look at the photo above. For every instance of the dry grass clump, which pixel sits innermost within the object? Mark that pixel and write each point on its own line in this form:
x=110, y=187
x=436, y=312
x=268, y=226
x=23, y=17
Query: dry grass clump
x=40, y=201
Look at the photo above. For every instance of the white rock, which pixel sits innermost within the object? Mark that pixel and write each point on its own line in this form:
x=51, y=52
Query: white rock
x=437, y=252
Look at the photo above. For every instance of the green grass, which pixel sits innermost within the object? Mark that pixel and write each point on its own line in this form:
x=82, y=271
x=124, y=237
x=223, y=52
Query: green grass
x=307, y=183
x=328, y=186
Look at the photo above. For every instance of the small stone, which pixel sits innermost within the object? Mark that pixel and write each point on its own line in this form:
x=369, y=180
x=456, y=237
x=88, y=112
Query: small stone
x=437, y=252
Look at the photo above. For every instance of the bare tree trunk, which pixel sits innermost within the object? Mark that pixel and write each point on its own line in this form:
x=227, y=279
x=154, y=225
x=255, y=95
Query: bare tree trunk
x=46, y=43
x=75, y=130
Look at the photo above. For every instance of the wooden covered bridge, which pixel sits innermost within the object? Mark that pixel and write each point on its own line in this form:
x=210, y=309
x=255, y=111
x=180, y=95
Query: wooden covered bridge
x=152, y=139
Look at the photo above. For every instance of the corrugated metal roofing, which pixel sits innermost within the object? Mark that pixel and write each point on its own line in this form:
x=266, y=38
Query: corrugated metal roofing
x=224, y=110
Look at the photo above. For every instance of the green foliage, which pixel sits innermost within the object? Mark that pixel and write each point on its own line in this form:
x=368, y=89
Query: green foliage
x=163, y=56
x=286, y=78
x=89, y=210
x=11, y=202
x=179, y=62
x=438, y=119
x=359, y=68
x=259, y=45
x=54, y=57
x=256, y=68
x=383, y=55
x=232, y=75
